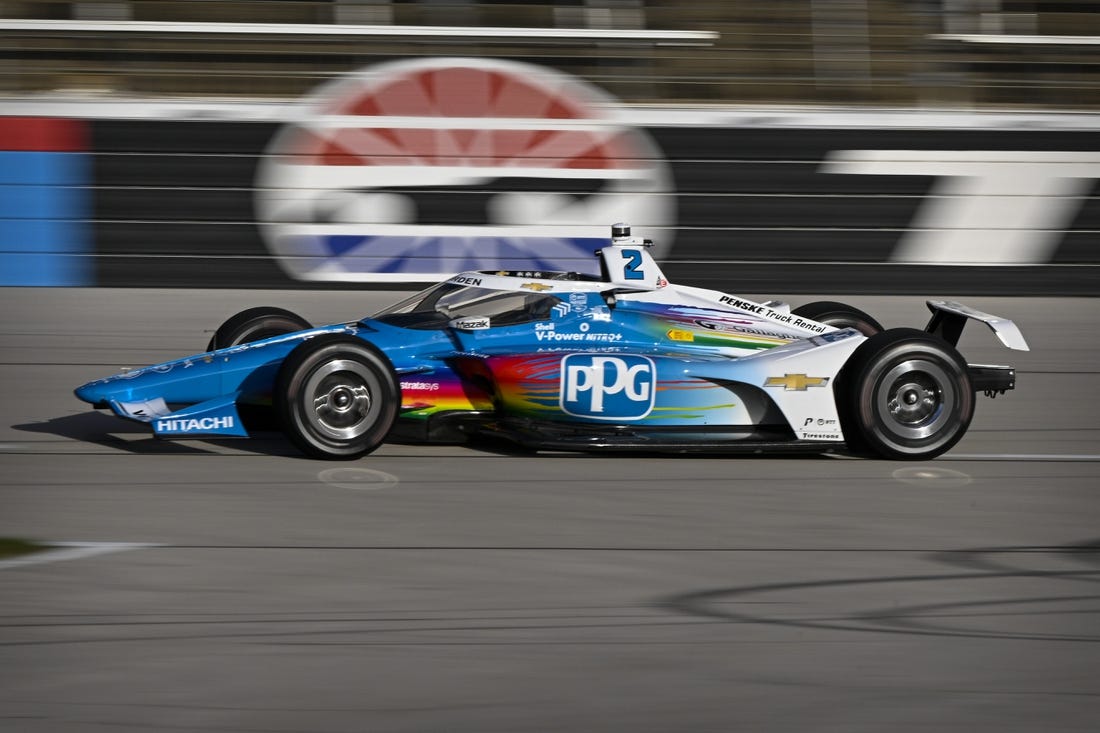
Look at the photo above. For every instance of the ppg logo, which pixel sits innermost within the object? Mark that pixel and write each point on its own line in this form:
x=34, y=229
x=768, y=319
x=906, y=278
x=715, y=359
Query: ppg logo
x=608, y=387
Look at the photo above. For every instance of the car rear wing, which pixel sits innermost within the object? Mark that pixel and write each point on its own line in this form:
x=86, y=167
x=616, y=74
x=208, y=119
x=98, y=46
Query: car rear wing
x=949, y=318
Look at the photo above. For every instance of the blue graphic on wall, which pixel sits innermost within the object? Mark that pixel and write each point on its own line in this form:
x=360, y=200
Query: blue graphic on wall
x=44, y=207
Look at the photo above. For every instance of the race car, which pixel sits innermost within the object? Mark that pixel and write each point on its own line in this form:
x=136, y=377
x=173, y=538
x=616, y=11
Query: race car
x=615, y=360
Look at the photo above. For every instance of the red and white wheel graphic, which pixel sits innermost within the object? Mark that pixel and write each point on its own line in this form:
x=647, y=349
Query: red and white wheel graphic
x=416, y=170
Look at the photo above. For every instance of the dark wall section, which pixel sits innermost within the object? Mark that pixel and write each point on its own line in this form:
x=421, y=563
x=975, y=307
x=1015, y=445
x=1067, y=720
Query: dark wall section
x=173, y=207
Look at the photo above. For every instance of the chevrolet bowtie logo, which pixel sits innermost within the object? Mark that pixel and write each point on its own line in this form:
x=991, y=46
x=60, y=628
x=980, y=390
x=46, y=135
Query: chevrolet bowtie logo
x=538, y=287
x=796, y=382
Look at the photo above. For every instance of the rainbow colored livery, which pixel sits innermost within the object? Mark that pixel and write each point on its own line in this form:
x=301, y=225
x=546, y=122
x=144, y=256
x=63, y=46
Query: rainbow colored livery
x=615, y=360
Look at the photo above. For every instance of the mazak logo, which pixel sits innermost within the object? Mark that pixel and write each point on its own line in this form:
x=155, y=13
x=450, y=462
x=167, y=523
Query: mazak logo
x=414, y=170
x=471, y=324
x=608, y=387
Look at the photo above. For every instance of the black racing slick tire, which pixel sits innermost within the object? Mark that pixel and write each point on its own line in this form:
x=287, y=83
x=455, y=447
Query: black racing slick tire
x=336, y=397
x=905, y=395
x=255, y=324
x=839, y=315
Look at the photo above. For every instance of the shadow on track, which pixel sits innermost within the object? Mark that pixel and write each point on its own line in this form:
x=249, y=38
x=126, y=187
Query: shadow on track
x=1004, y=593
x=106, y=430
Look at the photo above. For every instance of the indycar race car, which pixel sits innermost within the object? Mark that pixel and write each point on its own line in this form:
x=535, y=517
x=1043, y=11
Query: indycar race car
x=620, y=360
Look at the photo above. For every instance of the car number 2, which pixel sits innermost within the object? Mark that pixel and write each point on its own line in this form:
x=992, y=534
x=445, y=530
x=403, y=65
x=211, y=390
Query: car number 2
x=633, y=262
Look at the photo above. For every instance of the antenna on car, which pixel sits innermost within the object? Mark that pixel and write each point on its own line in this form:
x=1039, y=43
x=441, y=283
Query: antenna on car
x=620, y=234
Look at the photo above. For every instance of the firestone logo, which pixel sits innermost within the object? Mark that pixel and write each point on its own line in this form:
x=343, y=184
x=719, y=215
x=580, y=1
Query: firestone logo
x=414, y=170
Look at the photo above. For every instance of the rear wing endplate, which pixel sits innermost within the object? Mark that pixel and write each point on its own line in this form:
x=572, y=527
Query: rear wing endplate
x=949, y=318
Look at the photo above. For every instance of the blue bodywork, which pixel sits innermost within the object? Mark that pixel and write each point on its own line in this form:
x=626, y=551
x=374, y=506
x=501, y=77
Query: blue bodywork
x=578, y=360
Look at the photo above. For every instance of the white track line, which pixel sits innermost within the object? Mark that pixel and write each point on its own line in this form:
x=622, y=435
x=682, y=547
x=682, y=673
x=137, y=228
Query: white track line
x=71, y=551
x=1084, y=457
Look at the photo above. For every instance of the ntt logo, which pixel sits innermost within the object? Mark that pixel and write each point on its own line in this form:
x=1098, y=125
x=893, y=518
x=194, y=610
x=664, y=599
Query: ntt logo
x=415, y=170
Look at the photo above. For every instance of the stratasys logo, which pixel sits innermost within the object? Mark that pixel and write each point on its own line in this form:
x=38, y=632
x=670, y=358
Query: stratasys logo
x=414, y=170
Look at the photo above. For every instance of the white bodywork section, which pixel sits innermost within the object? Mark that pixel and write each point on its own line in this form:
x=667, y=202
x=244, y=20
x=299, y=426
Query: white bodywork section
x=797, y=376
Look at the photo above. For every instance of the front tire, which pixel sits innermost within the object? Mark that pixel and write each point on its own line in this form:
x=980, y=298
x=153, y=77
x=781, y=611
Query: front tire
x=839, y=315
x=905, y=395
x=336, y=397
x=255, y=324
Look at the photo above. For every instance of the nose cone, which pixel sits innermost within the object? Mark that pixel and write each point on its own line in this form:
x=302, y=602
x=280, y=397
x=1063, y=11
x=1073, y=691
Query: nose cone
x=94, y=393
x=101, y=391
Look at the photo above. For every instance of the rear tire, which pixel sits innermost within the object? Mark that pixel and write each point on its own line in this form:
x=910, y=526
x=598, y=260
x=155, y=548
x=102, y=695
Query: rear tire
x=336, y=397
x=839, y=315
x=905, y=394
x=255, y=324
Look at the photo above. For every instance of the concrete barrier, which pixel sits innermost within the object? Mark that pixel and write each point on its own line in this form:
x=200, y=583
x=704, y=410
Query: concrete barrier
x=812, y=201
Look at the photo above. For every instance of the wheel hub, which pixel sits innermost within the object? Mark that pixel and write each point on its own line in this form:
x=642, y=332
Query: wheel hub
x=915, y=399
x=913, y=402
x=343, y=404
x=340, y=396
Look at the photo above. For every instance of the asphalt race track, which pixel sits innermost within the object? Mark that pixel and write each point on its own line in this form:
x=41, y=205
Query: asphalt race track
x=235, y=586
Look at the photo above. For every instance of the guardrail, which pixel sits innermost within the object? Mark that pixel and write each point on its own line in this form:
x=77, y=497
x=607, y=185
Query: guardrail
x=49, y=27
x=873, y=52
x=249, y=59
x=1015, y=39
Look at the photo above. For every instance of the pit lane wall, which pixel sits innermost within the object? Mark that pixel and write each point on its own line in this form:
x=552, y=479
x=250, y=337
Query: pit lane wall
x=784, y=201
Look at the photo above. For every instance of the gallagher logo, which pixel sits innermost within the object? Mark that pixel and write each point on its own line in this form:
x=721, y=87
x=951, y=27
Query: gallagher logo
x=608, y=387
x=415, y=170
